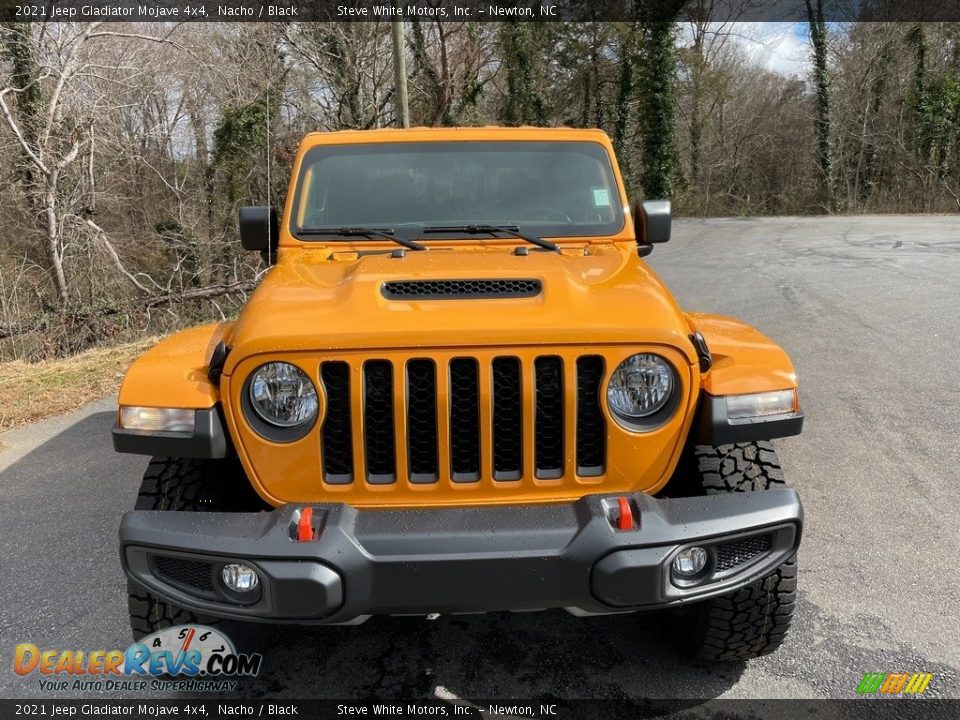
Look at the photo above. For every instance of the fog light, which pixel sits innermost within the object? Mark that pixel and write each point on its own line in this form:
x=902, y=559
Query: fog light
x=689, y=562
x=239, y=577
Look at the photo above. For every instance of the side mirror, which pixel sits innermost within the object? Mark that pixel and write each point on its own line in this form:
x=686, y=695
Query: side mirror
x=652, y=221
x=259, y=229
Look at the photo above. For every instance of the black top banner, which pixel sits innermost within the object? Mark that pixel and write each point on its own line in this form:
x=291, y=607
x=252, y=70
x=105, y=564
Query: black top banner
x=476, y=10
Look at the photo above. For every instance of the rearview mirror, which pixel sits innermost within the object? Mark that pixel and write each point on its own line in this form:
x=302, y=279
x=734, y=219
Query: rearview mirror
x=652, y=220
x=259, y=229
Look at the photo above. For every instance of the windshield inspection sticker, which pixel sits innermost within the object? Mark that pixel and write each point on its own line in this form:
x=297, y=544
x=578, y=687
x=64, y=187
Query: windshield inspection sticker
x=601, y=197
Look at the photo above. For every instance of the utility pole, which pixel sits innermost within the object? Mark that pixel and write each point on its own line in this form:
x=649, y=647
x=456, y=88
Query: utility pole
x=400, y=75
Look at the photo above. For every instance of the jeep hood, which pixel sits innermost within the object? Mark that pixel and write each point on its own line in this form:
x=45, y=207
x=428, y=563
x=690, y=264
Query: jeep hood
x=317, y=300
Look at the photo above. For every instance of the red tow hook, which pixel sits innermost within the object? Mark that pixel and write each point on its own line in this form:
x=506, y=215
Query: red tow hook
x=625, y=520
x=305, y=525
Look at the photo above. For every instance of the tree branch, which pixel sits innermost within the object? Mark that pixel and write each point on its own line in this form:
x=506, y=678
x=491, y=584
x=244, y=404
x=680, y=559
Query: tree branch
x=113, y=256
x=211, y=291
x=15, y=129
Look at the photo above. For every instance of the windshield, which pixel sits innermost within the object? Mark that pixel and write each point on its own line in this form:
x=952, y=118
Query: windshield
x=543, y=188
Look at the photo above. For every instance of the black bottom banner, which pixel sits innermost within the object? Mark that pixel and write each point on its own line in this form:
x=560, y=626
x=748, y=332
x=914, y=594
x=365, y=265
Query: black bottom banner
x=545, y=708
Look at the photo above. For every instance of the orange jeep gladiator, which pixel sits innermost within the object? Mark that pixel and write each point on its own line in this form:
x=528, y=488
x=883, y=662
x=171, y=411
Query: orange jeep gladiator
x=459, y=388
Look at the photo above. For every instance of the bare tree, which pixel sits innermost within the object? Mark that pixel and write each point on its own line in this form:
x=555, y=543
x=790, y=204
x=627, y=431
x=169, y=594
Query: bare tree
x=55, y=132
x=452, y=64
x=352, y=67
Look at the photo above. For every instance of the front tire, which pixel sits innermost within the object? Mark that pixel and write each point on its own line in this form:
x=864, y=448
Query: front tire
x=184, y=485
x=752, y=621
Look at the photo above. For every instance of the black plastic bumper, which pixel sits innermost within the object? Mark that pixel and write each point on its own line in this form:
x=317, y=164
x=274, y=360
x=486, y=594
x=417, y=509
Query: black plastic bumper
x=373, y=562
x=714, y=426
x=207, y=440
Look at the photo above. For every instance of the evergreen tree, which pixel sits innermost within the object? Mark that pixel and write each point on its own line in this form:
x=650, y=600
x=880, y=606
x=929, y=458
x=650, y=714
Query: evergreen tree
x=523, y=58
x=656, y=81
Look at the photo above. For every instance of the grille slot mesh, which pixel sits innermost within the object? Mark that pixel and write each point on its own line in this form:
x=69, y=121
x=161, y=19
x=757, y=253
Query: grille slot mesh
x=378, y=436
x=459, y=289
x=738, y=552
x=464, y=420
x=548, y=420
x=507, y=419
x=591, y=424
x=337, y=434
x=422, y=420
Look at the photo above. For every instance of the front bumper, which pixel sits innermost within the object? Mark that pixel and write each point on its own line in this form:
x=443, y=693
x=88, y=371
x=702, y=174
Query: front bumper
x=418, y=561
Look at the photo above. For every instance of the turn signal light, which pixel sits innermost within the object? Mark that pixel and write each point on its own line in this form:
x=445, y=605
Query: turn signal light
x=780, y=402
x=151, y=419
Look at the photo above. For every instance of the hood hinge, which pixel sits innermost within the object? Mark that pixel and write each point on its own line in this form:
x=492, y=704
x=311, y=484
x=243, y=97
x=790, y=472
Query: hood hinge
x=217, y=360
x=703, y=352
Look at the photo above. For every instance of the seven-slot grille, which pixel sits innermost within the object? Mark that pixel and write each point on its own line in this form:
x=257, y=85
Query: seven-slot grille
x=464, y=419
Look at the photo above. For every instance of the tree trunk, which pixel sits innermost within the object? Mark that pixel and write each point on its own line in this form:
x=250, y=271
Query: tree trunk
x=54, y=252
x=625, y=94
x=821, y=80
x=657, y=109
x=867, y=179
x=698, y=65
x=39, y=180
x=525, y=103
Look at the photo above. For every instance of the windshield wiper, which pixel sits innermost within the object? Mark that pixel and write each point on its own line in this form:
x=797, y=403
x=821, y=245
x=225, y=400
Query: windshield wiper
x=493, y=230
x=363, y=232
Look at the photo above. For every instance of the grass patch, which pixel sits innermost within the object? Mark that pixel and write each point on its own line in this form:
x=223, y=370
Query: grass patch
x=34, y=391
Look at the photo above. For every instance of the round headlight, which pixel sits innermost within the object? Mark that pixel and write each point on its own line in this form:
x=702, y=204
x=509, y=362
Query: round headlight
x=640, y=386
x=282, y=395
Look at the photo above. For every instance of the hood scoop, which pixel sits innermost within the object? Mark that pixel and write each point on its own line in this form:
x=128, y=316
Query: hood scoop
x=460, y=289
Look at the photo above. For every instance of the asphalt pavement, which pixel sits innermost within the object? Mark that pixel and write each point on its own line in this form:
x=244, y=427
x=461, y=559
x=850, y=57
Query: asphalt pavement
x=869, y=309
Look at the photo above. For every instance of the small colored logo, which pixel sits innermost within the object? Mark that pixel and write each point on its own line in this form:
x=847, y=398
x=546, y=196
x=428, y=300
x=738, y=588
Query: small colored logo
x=899, y=683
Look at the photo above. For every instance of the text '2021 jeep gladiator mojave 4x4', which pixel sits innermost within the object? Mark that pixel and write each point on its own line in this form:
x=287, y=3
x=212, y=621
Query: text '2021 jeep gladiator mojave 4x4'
x=460, y=389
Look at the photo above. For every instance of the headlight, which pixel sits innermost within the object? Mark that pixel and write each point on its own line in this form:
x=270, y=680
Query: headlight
x=640, y=386
x=282, y=395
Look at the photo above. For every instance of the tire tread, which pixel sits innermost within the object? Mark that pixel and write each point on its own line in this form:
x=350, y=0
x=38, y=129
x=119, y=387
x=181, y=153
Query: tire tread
x=754, y=620
x=184, y=485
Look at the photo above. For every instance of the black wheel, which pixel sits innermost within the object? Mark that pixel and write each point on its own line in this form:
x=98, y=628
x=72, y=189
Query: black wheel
x=754, y=620
x=184, y=485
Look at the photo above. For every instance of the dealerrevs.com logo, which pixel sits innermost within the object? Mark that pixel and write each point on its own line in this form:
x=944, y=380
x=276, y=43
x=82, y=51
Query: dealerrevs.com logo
x=183, y=657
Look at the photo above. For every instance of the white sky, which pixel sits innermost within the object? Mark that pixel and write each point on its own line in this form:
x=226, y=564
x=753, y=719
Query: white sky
x=779, y=47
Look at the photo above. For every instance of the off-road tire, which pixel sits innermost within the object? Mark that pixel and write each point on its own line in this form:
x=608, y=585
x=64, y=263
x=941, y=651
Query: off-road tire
x=184, y=485
x=754, y=620
x=744, y=467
